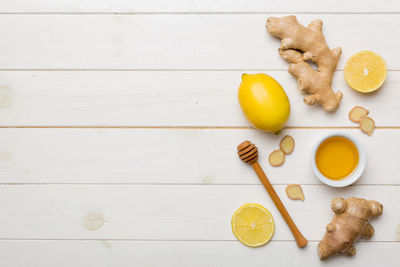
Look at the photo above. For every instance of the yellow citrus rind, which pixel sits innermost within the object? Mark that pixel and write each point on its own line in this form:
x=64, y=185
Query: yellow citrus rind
x=365, y=71
x=263, y=102
x=253, y=225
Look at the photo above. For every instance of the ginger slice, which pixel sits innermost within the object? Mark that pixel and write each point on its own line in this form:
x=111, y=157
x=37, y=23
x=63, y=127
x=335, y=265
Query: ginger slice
x=357, y=112
x=367, y=125
x=287, y=144
x=276, y=158
x=295, y=192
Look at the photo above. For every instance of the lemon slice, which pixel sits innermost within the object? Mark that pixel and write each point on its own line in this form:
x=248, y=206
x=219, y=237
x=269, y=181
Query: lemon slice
x=365, y=71
x=253, y=225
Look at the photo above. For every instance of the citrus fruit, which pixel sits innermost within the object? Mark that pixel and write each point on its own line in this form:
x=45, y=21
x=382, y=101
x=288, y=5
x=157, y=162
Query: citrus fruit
x=365, y=71
x=263, y=102
x=253, y=225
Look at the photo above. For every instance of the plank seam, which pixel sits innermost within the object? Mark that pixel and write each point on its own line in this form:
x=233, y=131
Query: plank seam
x=182, y=184
x=169, y=240
x=207, y=13
x=149, y=70
x=189, y=127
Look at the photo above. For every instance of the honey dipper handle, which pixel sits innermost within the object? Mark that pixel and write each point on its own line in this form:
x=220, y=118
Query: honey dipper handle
x=300, y=239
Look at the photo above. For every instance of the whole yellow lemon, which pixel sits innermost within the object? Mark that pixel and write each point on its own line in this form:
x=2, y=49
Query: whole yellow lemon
x=263, y=102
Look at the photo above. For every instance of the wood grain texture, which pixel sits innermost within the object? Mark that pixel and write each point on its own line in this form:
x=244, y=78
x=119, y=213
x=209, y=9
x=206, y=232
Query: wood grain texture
x=170, y=156
x=191, y=42
x=167, y=98
x=198, y=6
x=182, y=253
x=175, y=212
x=171, y=191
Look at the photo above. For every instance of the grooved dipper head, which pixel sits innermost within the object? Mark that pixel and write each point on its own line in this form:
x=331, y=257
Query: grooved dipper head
x=248, y=152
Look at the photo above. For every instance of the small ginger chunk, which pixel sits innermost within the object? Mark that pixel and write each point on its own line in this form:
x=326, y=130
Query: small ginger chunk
x=367, y=125
x=295, y=192
x=287, y=144
x=276, y=158
x=357, y=113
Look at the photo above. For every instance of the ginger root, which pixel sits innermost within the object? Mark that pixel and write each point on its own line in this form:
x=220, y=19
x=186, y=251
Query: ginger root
x=357, y=113
x=299, y=45
x=349, y=223
x=287, y=144
x=276, y=158
x=367, y=125
x=294, y=191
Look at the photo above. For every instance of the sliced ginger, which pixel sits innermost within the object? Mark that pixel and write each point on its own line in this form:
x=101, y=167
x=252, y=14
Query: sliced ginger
x=357, y=112
x=295, y=192
x=367, y=125
x=276, y=158
x=287, y=144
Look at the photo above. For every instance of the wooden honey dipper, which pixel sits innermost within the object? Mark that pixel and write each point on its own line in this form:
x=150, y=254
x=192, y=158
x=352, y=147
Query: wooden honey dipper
x=248, y=153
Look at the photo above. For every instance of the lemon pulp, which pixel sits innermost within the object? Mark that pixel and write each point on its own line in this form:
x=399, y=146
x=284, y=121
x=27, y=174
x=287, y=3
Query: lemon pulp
x=365, y=71
x=253, y=225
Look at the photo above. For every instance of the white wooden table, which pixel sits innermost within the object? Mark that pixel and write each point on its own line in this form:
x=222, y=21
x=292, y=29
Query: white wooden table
x=126, y=110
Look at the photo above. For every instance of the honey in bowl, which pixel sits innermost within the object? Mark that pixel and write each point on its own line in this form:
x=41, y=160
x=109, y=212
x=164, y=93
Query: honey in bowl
x=337, y=157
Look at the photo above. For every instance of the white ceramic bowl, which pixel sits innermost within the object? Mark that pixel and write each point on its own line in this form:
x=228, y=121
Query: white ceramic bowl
x=354, y=176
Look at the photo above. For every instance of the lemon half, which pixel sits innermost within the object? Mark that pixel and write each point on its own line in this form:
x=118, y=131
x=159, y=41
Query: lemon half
x=253, y=225
x=365, y=71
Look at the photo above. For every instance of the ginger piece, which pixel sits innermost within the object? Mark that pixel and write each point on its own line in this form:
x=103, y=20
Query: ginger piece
x=357, y=112
x=276, y=158
x=287, y=144
x=349, y=223
x=367, y=125
x=294, y=191
x=299, y=45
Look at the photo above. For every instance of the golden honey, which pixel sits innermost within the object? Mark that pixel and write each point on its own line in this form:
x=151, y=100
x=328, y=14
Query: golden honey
x=336, y=157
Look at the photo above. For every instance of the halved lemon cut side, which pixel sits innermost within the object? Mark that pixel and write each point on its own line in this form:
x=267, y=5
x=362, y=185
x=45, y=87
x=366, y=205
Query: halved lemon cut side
x=253, y=225
x=365, y=71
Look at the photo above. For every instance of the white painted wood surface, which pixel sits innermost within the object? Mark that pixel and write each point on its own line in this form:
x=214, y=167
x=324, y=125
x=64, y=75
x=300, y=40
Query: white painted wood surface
x=173, y=156
x=180, y=253
x=166, y=98
x=198, y=6
x=177, y=42
x=127, y=109
x=171, y=212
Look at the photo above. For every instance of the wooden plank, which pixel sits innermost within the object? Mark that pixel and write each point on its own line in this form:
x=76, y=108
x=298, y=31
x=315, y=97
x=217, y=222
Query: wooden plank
x=205, y=42
x=173, y=156
x=183, y=253
x=166, y=212
x=166, y=98
x=163, y=6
